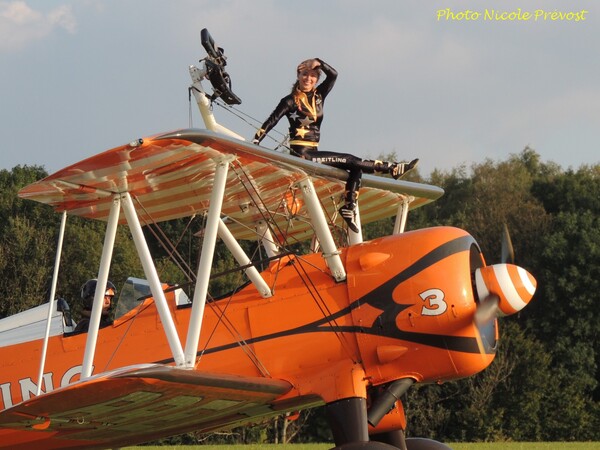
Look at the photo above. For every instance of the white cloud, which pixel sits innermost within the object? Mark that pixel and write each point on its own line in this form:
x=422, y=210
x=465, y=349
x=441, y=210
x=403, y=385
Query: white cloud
x=18, y=13
x=63, y=17
x=21, y=25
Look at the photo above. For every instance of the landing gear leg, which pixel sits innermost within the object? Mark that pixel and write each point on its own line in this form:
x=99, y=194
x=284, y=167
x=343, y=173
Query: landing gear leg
x=348, y=421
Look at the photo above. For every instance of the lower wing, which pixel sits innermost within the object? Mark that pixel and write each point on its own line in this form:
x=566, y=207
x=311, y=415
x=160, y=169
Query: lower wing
x=136, y=404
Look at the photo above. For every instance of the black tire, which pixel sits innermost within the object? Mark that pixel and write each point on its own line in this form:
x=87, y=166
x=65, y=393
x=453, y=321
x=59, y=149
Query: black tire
x=425, y=444
x=365, y=446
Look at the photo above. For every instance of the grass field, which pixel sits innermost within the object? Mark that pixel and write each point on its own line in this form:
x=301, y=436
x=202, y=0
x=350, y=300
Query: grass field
x=455, y=446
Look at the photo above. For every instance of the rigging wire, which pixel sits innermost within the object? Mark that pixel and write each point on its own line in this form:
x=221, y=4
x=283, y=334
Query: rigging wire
x=235, y=334
x=282, y=143
x=222, y=318
x=166, y=243
x=267, y=215
x=313, y=291
x=269, y=218
x=139, y=308
x=251, y=121
x=220, y=313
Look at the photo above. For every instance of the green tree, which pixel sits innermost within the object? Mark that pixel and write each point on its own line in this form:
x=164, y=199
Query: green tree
x=29, y=237
x=26, y=265
x=564, y=315
x=566, y=319
x=82, y=250
x=27, y=243
x=505, y=401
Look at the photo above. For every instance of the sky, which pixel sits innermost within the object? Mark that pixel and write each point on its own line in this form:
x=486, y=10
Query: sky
x=452, y=82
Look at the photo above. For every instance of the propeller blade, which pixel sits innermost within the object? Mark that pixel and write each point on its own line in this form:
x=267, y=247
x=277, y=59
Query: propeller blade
x=487, y=310
x=508, y=252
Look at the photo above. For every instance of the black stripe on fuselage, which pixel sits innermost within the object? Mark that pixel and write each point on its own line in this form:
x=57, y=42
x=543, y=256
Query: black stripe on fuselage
x=381, y=298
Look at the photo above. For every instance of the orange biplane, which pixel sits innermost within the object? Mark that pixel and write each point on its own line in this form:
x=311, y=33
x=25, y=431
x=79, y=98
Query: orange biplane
x=350, y=325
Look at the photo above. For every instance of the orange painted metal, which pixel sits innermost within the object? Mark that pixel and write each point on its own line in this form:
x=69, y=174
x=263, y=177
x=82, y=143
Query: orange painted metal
x=323, y=338
x=405, y=310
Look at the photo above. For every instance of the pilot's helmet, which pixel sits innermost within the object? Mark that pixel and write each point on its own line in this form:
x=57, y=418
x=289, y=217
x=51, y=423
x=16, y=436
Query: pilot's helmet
x=89, y=289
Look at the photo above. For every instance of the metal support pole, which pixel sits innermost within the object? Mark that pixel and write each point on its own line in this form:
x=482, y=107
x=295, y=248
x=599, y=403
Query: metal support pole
x=61, y=235
x=240, y=256
x=205, y=264
x=204, y=104
x=330, y=252
x=105, y=259
x=356, y=238
x=266, y=238
x=152, y=276
x=402, y=215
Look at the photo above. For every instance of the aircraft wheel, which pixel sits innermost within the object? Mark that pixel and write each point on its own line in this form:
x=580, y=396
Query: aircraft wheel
x=365, y=446
x=425, y=444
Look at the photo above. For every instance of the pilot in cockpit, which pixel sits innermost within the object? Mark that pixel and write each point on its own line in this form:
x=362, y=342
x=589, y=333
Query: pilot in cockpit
x=87, y=296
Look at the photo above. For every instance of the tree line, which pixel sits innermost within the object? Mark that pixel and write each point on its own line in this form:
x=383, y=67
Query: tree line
x=543, y=384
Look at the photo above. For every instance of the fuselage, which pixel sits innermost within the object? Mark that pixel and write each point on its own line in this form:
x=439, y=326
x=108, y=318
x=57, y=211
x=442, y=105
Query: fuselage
x=405, y=311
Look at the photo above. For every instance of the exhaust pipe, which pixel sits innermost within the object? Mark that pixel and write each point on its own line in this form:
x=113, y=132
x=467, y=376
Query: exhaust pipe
x=385, y=401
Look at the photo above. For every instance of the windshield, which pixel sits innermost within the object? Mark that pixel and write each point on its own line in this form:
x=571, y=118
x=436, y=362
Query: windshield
x=132, y=293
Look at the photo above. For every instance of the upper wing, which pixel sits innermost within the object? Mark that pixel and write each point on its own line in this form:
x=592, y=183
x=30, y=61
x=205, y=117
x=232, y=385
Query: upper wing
x=171, y=176
x=136, y=404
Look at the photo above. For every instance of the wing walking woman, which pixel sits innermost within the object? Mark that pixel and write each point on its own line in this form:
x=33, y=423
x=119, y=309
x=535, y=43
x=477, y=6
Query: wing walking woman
x=304, y=109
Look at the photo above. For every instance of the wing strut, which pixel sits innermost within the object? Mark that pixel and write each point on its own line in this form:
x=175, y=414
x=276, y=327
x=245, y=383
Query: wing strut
x=356, y=238
x=240, y=256
x=61, y=235
x=152, y=276
x=204, y=104
x=105, y=259
x=402, y=215
x=330, y=251
x=266, y=238
x=205, y=265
